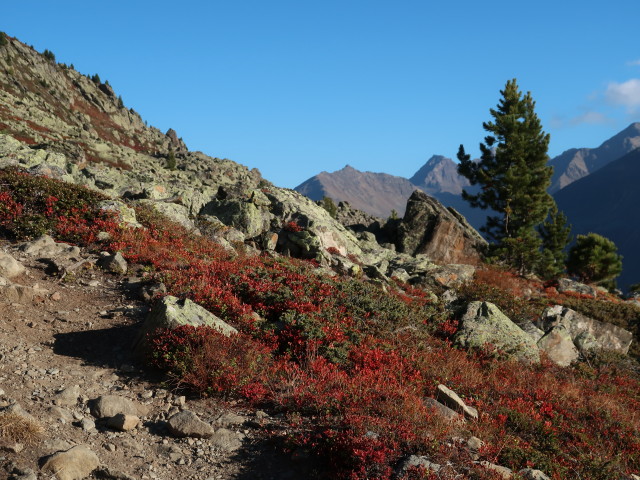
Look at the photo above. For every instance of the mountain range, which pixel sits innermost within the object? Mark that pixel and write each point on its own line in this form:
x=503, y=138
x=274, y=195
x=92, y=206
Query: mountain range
x=595, y=187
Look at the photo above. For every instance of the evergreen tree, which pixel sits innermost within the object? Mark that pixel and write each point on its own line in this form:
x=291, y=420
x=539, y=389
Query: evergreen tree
x=595, y=258
x=556, y=235
x=514, y=176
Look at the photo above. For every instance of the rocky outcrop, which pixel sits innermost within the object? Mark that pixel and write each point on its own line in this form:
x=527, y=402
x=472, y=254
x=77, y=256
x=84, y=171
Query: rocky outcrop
x=484, y=325
x=586, y=333
x=441, y=234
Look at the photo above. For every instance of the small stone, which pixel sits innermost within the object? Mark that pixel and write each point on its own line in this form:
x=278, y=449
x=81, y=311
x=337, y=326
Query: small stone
x=188, y=424
x=123, y=422
x=56, y=297
x=110, y=447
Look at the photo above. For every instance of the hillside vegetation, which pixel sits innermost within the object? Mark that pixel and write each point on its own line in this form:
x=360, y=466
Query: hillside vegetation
x=350, y=364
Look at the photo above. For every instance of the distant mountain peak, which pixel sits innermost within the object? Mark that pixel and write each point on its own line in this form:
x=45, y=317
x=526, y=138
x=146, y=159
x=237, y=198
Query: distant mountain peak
x=439, y=175
x=576, y=163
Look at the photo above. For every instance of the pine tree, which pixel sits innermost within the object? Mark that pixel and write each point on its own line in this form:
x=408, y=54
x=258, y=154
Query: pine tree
x=595, y=258
x=330, y=206
x=514, y=176
x=556, y=235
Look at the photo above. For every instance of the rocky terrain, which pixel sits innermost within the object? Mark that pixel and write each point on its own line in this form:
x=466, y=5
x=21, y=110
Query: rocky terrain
x=210, y=325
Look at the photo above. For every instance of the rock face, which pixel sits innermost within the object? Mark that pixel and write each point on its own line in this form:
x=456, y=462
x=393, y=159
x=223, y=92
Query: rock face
x=484, y=324
x=441, y=234
x=586, y=333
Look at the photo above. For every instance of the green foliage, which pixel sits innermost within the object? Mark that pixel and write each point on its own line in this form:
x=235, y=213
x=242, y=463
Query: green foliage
x=120, y=102
x=3, y=39
x=514, y=177
x=49, y=55
x=556, y=235
x=329, y=205
x=595, y=258
x=393, y=215
x=171, y=161
x=96, y=79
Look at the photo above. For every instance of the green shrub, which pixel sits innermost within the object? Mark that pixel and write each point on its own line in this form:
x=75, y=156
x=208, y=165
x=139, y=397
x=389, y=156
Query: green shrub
x=595, y=258
x=3, y=39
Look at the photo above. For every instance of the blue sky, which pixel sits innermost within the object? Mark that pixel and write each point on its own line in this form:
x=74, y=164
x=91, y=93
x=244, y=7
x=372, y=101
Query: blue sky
x=296, y=87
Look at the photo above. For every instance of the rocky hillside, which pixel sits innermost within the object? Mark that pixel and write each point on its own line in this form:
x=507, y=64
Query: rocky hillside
x=165, y=314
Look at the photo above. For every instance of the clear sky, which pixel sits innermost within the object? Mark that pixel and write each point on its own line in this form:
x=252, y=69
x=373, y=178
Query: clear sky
x=297, y=87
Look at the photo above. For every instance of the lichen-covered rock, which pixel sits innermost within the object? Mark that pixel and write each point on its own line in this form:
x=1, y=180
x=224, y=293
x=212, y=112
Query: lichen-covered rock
x=173, y=211
x=122, y=213
x=484, y=324
x=431, y=229
x=172, y=312
x=586, y=333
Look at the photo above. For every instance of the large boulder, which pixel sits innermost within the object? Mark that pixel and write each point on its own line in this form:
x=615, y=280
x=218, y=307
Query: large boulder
x=484, y=324
x=441, y=234
x=586, y=333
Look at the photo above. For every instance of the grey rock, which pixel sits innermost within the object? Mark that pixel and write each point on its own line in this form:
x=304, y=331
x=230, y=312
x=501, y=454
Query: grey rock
x=448, y=397
x=558, y=346
x=503, y=472
x=151, y=291
x=110, y=405
x=188, y=424
x=123, y=422
x=531, y=474
x=568, y=285
x=418, y=461
x=73, y=464
x=46, y=247
x=113, y=263
x=9, y=266
x=484, y=324
x=172, y=312
x=67, y=397
x=589, y=332
x=442, y=410
x=226, y=439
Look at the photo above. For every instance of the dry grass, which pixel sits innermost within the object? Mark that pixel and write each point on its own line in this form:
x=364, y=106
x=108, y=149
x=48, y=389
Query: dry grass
x=20, y=429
